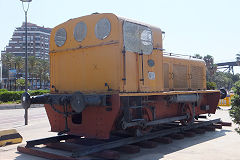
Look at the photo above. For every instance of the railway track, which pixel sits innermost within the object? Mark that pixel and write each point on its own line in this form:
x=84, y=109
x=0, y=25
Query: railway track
x=76, y=148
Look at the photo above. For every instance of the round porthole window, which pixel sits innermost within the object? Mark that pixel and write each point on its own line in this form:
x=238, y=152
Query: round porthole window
x=80, y=31
x=60, y=37
x=102, y=28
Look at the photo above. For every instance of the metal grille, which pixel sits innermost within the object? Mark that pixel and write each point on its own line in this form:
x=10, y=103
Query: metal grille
x=80, y=31
x=137, y=38
x=197, y=77
x=102, y=28
x=179, y=76
x=166, y=75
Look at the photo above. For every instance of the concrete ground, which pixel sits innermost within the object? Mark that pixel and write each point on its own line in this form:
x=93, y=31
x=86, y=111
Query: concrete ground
x=219, y=145
x=38, y=127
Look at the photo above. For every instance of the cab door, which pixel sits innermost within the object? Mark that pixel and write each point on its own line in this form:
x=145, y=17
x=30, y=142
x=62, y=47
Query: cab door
x=150, y=66
x=143, y=63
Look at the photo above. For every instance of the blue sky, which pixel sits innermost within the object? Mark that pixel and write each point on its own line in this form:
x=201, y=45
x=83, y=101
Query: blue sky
x=191, y=26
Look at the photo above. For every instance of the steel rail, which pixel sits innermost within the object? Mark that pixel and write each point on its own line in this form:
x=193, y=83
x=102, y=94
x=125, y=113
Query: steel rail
x=109, y=144
x=49, y=140
x=125, y=141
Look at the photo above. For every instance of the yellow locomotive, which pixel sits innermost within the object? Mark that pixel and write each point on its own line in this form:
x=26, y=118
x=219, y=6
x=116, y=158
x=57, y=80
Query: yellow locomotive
x=88, y=52
x=109, y=74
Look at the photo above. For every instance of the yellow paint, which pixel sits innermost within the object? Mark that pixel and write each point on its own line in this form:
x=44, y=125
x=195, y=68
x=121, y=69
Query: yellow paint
x=10, y=140
x=226, y=101
x=168, y=93
x=6, y=132
x=89, y=65
x=186, y=79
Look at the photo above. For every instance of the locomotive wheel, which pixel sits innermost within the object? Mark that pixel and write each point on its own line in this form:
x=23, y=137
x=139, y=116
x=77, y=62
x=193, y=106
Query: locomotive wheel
x=186, y=109
x=139, y=131
x=142, y=129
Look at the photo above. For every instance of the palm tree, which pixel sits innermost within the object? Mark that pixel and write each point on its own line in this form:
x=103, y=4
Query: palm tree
x=211, y=67
x=238, y=59
x=18, y=60
x=18, y=64
x=198, y=56
x=45, y=65
x=32, y=62
x=208, y=60
x=7, y=60
x=42, y=71
x=39, y=69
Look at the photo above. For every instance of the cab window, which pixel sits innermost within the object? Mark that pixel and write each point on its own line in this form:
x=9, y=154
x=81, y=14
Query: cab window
x=137, y=38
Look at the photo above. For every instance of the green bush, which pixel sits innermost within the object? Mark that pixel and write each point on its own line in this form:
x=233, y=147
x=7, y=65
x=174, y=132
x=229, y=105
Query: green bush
x=235, y=101
x=10, y=96
x=7, y=96
x=38, y=92
x=211, y=85
x=3, y=90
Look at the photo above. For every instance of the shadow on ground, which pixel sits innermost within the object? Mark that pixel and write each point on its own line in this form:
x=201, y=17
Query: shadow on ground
x=164, y=149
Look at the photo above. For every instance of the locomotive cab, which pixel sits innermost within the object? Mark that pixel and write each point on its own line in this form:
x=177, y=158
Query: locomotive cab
x=103, y=53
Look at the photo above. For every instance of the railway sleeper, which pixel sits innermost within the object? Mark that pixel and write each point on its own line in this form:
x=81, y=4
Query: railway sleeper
x=79, y=148
x=189, y=134
x=199, y=131
x=209, y=128
x=129, y=149
x=228, y=124
x=147, y=144
x=65, y=146
x=163, y=140
x=217, y=125
x=177, y=136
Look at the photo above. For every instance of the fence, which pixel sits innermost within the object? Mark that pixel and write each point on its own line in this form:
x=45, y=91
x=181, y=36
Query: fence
x=226, y=101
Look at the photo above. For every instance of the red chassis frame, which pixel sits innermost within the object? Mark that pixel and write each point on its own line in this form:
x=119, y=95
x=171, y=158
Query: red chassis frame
x=99, y=121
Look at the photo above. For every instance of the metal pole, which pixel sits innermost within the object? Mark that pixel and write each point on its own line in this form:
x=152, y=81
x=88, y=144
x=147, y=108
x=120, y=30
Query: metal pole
x=26, y=55
x=16, y=77
x=26, y=68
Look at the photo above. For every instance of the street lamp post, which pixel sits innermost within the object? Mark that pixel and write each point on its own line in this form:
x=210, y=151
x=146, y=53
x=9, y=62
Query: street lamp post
x=26, y=54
